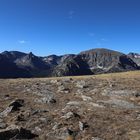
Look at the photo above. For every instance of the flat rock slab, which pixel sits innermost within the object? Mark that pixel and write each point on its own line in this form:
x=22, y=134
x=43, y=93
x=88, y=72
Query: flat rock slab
x=119, y=103
x=126, y=93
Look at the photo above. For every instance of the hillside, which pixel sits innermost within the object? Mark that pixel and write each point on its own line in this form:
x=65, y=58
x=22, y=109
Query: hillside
x=100, y=107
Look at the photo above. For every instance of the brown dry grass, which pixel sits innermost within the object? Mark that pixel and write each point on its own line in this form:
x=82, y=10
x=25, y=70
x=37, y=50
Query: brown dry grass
x=108, y=123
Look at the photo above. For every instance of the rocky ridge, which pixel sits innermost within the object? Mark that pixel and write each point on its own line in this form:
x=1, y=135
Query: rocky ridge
x=17, y=64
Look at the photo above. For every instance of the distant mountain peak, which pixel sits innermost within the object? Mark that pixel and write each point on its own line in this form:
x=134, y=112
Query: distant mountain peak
x=101, y=50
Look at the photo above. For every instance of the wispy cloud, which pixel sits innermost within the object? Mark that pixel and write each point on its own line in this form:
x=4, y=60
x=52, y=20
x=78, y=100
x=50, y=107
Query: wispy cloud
x=91, y=34
x=71, y=13
x=22, y=41
x=104, y=39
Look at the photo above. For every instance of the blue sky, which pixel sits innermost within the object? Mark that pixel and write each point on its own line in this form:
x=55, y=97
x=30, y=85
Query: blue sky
x=69, y=26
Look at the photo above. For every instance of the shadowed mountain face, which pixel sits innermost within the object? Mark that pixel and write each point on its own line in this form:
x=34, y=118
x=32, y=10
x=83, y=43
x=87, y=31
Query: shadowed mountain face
x=9, y=69
x=135, y=57
x=72, y=65
x=17, y=64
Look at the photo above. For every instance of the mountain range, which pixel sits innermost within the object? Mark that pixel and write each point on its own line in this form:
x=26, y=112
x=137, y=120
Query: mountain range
x=14, y=64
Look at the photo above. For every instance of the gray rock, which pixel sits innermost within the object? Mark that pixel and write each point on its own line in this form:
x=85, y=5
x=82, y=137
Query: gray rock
x=74, y=103
x=3, y=125
x=56, y=126
x=54, y=81
x=68, y=115
x=63, y=89
x=110, y=92
x=86, y=98
x=81, y=84
x=138, y=116
x=120, y=103
x=83, y=125
x=45, y=100
x=6, y=111
x=38, y=129
x=44, y=120
x=95, y=105
x=17, y=104
x=67, y=79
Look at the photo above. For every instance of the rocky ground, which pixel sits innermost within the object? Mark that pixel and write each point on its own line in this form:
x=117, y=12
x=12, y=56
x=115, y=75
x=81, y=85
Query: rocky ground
x=101, y=107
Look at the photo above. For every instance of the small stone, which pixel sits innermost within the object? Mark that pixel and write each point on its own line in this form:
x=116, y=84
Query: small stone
x=3, y=125
x=6, y=111
x=83, y=125
x=43, y=119
x=86, y=98
x=81, y=84
x=38, y=129
x=96, y=105
x=68, y=115
x=138, y=116
x=74, y=103
x=53, y=81
x=63, y=89
x=67, y=79
x=45, y=100
x=56, y=126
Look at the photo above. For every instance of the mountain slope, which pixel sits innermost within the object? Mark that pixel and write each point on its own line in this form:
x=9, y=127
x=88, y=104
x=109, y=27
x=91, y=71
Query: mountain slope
x=135, y=57
x=72, y=65
x=9, y=69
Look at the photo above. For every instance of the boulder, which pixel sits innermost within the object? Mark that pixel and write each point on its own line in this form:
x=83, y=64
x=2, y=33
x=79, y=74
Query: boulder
x=25, y=134
x=8, y=134
x=16, y=133
x=17, y=104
